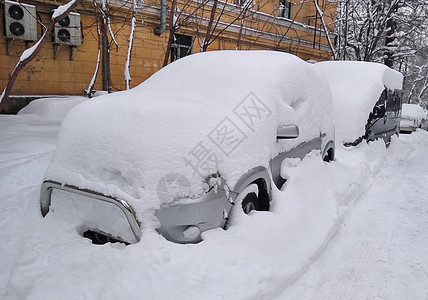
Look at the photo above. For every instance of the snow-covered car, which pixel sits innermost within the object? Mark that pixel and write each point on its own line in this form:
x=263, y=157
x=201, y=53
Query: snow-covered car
x=366, y=100
x=178, y=151
x=412, y=117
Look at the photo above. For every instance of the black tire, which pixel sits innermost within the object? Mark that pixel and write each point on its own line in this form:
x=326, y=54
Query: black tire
x=329, y=155
x=249, y=203
x=245, y=202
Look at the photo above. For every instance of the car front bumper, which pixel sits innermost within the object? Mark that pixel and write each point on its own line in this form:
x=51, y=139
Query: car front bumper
x=115, y=218
x=407, y=128
x=407, y=125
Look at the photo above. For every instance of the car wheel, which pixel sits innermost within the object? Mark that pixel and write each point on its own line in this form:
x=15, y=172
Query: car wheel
x=329, y=156
x=248, y=199
x=245, y=202
x=249, y=203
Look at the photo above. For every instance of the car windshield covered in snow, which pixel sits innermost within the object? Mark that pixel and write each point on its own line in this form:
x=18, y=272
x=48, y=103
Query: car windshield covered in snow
x=215, y=123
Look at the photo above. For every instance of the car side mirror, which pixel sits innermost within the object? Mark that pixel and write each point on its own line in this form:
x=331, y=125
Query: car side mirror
x=287, y=132
x=379, y=111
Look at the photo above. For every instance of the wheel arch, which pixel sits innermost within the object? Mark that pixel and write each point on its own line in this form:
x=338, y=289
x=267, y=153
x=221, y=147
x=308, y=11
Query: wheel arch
x=262, y=178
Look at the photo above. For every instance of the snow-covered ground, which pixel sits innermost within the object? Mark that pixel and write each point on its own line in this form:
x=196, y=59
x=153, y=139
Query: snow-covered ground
x=356, y=228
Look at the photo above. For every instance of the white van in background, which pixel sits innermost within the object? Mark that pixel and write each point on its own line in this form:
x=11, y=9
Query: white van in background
x=413, y=116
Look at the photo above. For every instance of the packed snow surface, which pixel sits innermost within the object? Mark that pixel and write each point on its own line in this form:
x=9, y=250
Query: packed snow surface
x=355, y=228
x=222, y=108
x=356, y=87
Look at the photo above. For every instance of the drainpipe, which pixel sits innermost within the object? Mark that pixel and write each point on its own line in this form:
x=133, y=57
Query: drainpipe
x=162, y=26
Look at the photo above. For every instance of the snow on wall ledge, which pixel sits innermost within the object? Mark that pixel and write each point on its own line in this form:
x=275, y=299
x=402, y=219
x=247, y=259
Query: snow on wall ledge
x=356, y=87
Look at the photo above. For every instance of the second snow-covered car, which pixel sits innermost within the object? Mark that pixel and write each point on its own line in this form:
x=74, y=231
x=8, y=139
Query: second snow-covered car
x=413, y=117
x=176, y=152
x=366, y=100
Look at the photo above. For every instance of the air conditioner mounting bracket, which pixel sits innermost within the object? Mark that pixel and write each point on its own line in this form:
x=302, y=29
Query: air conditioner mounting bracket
x=9, y=43
x=72, y=51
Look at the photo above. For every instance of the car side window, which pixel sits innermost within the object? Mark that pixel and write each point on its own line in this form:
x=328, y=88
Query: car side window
x=396, y=98
x=390, y=100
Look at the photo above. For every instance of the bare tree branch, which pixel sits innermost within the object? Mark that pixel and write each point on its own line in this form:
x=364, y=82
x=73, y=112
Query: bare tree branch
x=127, y=74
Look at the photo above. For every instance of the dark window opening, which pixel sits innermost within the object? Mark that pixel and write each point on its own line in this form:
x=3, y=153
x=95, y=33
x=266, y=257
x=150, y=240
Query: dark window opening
x=181, y=46
x=285, y=9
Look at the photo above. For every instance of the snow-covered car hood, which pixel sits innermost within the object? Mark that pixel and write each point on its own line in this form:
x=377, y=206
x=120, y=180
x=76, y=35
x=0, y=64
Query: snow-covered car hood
x=207, y=113
x=356, y=87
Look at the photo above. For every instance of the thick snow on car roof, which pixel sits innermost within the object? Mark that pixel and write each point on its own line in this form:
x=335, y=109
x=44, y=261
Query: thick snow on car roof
x=413, y=110
x=356, y=87
x=180, y=120
x=227, y=73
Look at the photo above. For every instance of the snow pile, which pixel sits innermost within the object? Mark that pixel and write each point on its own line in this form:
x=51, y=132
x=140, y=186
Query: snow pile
x=379, y=251
x=122, y=144
x=297, y=247
x=356, y=87
x=34, y=130
x=51, y=109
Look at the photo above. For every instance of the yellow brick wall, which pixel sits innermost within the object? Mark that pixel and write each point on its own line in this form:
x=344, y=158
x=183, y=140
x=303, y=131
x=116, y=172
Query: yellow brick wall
x=60, y=75
x=47, y=75
x=303, y=11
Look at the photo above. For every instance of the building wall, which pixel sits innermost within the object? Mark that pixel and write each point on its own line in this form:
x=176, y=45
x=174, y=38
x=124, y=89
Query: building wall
x=60, y=75
x=47, y=75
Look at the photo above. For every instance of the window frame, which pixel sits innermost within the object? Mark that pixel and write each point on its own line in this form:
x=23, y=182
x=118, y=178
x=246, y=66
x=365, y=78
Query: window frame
x=181, y=42
x=284, y=9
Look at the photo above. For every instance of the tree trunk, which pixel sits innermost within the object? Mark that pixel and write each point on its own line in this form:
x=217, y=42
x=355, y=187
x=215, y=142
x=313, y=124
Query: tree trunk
x=207, y=37
x=127, y=73
x=97, y=66
x=392, y=26
x=105, y=57
x=171, y=33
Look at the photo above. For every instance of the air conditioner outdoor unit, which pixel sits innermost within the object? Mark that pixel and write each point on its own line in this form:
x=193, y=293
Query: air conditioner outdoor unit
x=19, y=21
x=67, y=31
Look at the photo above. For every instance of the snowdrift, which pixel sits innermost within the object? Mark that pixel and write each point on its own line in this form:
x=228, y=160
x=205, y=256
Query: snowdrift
x=51, y=109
